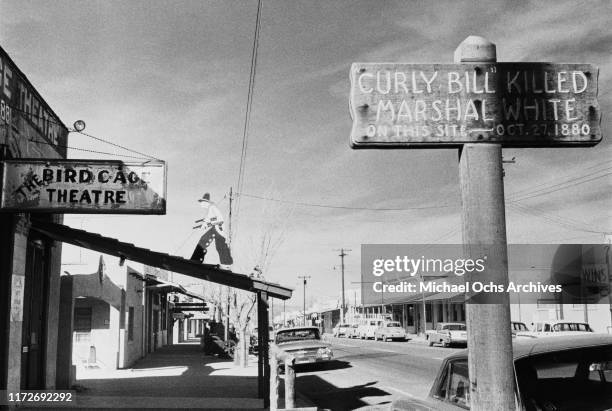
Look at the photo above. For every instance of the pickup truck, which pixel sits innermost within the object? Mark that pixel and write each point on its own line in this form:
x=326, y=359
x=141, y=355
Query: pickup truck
x=447, y=334
x=551, y=373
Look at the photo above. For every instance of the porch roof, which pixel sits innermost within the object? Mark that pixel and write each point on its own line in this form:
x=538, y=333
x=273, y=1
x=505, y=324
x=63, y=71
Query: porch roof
x=112, y=246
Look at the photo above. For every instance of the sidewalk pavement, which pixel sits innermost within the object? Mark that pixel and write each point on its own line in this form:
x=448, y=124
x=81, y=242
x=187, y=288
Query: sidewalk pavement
x=178, y=376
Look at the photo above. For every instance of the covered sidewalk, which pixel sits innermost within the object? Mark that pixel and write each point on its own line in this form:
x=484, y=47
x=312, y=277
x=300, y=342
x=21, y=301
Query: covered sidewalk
x=208, y=272
x=177, y=376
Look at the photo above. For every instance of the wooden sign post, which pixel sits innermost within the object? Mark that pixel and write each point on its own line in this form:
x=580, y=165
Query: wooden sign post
x=489, y=333
x=478, y=106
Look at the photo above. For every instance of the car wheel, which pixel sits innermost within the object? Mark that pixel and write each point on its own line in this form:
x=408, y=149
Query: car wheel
x=445, y=344
x=431, y=343
x=384, y=338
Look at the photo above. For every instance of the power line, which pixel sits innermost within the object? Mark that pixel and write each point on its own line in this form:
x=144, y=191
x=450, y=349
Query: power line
x=548, y=184
x=247, y=116
x=564, y=222
x=560, y=186
x=305, y=204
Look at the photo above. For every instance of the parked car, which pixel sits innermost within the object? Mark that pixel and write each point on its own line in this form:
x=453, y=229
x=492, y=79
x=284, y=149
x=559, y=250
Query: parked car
x=366, y=330
x=352, y=331
x=552, y=373
x=556, y=328
x=447, y=334
x=517, y=326
x=341, y=330
x=518, y=329
x=391, y=330
x=304, y=343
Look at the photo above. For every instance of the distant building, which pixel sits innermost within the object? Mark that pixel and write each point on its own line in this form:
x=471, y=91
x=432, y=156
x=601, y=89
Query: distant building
x=582, y=269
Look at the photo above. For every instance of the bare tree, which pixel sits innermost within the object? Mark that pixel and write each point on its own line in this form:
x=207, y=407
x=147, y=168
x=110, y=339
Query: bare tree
x=268, y=235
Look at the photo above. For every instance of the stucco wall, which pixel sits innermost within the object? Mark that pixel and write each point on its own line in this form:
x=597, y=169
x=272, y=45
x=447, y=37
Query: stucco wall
x=104, y=335
x=133, y=349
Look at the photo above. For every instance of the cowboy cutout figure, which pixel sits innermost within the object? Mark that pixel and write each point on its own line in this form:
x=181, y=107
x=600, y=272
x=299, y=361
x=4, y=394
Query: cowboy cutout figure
x=212, y=227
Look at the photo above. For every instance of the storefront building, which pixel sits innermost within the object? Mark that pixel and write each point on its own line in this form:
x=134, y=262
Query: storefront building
x=29, y=262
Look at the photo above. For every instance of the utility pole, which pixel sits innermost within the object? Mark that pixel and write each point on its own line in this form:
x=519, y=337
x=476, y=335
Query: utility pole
x=229, y=244
x=305, y=277
x=229, y=220
x=343, y=307
x=608, y=241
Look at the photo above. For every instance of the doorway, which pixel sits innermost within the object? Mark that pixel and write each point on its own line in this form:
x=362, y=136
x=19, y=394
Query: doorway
x=34, y=315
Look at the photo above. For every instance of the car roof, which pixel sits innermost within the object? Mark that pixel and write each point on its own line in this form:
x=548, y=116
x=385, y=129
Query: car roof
x=560, y=322
x=297, y=328
x=527, y=347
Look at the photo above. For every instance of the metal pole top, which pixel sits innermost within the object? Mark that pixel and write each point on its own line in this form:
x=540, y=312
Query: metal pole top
x=475, y=49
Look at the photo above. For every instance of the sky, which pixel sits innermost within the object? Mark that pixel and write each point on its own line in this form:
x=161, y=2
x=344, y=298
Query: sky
x=170, y=79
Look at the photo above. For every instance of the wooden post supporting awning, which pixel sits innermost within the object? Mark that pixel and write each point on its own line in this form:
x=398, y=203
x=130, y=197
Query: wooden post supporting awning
x=263, y=360
x=208, y=272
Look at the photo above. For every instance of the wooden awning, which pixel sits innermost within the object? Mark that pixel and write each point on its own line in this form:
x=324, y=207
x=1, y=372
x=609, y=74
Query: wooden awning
x=111, y=246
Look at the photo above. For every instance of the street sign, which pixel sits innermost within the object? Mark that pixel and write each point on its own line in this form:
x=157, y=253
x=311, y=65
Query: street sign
x=83, y=186
x=395, y=105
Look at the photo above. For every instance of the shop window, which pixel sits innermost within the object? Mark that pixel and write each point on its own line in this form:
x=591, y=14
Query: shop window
x=82, y=319
x=131, y=324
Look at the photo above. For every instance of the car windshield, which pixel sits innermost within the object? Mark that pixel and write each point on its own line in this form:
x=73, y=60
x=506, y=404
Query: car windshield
x=578, y=379
x=519, y=327
x=395, y=325
x=571, y=327
x=297, y=335
x=454, y=327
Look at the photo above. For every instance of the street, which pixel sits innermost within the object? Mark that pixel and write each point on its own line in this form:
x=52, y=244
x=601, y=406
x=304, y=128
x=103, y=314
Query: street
x=371, y=373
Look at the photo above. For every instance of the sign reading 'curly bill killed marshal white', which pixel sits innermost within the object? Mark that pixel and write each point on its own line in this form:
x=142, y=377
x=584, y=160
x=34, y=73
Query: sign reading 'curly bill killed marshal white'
x=83, y=186
x=515, y=104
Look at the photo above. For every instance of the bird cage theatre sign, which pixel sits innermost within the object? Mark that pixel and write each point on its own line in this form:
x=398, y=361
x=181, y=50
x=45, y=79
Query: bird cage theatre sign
x=83, y=186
